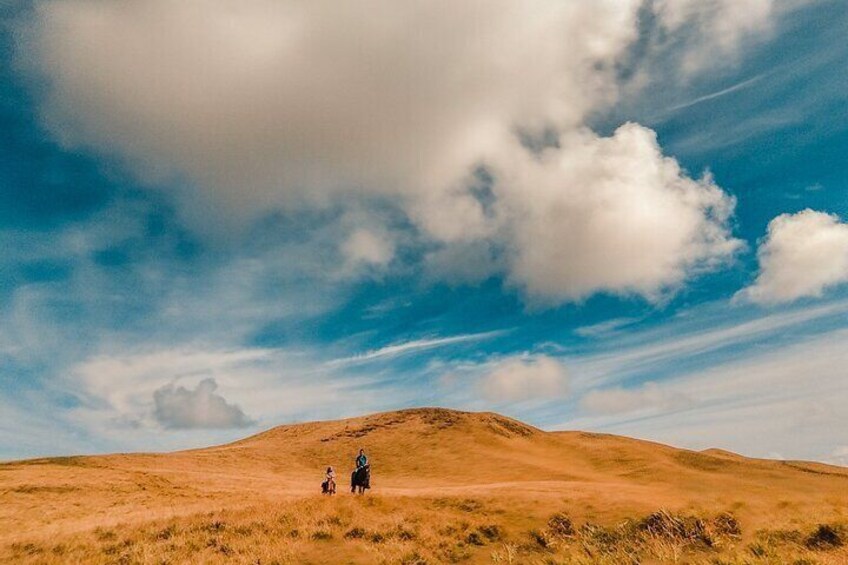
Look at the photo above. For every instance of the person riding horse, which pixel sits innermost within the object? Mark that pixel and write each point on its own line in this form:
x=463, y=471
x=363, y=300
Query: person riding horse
x=361, y=476
x=329, y=484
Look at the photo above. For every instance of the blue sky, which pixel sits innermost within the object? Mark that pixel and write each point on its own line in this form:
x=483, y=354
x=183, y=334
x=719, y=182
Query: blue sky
x=625, y=217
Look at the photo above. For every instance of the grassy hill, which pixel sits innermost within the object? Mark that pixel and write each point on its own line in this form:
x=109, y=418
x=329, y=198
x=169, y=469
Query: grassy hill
x=448, y=487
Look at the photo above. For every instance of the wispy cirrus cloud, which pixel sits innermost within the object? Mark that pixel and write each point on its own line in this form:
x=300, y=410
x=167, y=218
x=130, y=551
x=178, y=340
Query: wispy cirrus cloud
x=787, y=400
x=717, y=94
x=678, y=340
x=605, y=328
x=414, y=346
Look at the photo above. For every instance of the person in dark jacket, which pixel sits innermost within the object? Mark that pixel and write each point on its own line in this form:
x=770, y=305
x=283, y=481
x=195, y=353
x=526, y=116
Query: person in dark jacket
x=360, y=478
x=361, y=459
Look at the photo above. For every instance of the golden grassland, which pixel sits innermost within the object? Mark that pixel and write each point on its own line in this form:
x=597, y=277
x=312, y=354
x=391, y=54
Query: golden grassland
x=449, y=487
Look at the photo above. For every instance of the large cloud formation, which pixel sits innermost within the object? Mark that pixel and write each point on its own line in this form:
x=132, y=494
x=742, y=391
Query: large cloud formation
x=802, y=255
x=266, y=102
x=257, y=105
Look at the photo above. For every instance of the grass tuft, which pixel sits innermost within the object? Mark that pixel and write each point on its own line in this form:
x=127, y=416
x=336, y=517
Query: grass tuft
x=355, y=533
x=321, y=535
x=824, y=538
x=417, y=532
x=560, y=526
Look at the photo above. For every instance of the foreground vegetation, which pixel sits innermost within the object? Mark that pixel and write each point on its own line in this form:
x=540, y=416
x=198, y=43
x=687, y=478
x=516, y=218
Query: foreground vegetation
x=415, y=531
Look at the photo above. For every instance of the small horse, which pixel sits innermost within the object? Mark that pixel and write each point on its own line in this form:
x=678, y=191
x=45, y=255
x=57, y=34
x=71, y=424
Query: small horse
x=360, y=479
x=328, y=487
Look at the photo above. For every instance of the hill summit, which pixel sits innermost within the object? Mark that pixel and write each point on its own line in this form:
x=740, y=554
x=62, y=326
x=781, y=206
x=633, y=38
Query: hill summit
x=433, y=446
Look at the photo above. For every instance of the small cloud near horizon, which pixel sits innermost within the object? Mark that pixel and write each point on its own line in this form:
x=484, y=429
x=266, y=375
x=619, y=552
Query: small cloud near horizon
x=525, y=378
x=182, y=408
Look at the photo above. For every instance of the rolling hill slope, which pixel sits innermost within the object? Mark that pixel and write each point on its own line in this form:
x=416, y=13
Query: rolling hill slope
x=419, y=454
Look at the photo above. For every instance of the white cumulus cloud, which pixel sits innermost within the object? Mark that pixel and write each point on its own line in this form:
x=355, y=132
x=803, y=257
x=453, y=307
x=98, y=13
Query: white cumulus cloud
x=177, y=407
x=525, y=378
x=256, y=105
x=609, y=213
x=803, y=255
x=262, y=102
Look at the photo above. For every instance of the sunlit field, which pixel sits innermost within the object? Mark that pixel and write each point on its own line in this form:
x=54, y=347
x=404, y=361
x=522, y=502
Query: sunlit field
x=448, y=487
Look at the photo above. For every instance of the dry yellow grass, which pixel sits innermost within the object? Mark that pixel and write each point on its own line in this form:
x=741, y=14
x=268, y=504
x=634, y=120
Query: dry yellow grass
x=448, y=487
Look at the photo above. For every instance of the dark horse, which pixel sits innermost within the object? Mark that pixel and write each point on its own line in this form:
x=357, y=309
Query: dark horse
x=360, y=479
